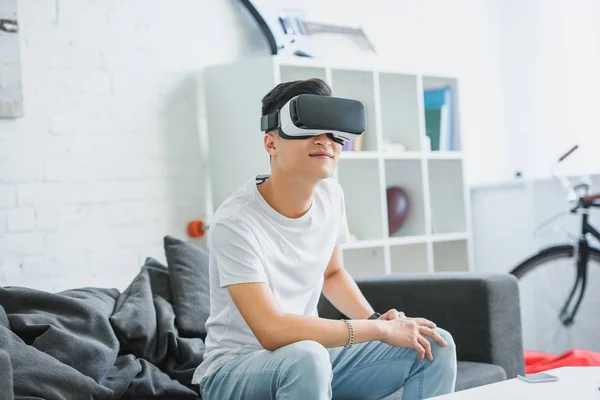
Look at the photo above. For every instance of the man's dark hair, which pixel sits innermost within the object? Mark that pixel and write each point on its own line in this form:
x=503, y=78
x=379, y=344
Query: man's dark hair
x=283, y=92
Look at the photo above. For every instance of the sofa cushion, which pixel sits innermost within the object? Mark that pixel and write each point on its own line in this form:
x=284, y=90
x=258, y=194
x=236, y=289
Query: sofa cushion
x=6, y=378
x=188, y=269
x=473, y=374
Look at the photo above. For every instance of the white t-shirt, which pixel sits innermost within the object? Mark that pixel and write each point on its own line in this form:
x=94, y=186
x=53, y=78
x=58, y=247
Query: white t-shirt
x=251, y=242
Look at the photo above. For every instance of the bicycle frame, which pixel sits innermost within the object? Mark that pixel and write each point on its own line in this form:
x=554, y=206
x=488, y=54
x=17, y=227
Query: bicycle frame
x=582, y=260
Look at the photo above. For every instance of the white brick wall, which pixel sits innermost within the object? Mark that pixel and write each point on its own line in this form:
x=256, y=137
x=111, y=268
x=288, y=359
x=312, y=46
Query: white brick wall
x=21, y=220
x=8, y=197
x=106, y=160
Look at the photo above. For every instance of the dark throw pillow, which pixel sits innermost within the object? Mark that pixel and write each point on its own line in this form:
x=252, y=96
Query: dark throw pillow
x=188, y=268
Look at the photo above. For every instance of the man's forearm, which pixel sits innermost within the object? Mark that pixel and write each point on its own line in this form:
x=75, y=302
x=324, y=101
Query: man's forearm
x=291, y=328
x=343, y=293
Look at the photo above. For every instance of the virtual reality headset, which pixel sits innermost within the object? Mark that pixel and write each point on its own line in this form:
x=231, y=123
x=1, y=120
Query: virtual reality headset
x=308, y=115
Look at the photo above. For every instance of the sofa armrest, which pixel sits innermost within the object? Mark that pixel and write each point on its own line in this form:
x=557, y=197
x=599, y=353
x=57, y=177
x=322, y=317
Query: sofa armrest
x=481, y=311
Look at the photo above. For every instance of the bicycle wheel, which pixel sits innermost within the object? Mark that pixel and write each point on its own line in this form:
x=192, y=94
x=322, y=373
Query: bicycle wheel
x=545, y=282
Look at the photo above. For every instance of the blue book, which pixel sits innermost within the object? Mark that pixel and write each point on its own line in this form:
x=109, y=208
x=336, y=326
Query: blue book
x=439, y=118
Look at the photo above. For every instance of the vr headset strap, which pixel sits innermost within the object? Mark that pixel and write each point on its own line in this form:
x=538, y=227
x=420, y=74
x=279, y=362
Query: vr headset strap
x=269, y=122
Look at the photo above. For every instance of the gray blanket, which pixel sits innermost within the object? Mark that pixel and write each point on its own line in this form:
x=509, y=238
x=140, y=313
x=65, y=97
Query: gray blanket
x=94, y=343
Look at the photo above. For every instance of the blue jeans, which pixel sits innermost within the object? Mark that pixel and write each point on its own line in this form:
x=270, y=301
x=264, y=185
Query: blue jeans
x=307, y=370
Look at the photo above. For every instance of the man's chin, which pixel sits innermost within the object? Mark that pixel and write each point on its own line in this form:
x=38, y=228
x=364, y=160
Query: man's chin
x=318, y=175
x=324, y=175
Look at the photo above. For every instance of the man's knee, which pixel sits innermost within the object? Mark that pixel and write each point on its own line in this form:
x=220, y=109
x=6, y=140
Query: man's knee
x=309, y=353
x=307, y=370
x=445, y=355
x=309, y=358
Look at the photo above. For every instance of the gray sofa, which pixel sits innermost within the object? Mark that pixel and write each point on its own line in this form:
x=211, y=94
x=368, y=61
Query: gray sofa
x=480, y=311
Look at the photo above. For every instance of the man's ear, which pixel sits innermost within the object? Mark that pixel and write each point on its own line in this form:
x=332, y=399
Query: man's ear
x=270, y=144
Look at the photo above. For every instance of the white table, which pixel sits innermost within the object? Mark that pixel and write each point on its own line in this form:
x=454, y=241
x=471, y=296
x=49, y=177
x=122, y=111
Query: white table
x=579, y=383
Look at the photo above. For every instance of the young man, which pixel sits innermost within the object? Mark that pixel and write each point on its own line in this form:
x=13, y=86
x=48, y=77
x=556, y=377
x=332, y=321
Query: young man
x=274, y=248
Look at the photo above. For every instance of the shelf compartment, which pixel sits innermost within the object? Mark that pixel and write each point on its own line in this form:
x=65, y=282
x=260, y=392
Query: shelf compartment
x=409, y=258
x=290, y=73
x=358, y=85
x=447, y=196
x=407, y=174
x=451, y=256
x=400, y=110
x=360, y=182
x=365, y=262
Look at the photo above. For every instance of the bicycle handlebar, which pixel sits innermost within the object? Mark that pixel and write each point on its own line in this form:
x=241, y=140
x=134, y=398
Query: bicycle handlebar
x=564, y=182
x=568, y=153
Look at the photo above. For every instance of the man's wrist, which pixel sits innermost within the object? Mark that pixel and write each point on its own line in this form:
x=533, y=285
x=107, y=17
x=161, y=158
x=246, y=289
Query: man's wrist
x=380, y=330
x=375, y=315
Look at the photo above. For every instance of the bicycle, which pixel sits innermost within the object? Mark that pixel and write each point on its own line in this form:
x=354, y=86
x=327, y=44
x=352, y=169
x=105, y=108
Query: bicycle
x=547, y=273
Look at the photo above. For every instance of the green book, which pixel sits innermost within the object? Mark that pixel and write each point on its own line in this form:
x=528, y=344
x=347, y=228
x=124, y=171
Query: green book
x=433, y=120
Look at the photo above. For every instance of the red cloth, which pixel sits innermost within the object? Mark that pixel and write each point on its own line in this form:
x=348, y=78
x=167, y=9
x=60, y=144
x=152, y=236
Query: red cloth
x=537, y=361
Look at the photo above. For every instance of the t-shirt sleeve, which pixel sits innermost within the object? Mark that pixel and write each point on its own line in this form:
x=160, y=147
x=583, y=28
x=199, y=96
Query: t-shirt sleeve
x=236, y=253
x=344, y=233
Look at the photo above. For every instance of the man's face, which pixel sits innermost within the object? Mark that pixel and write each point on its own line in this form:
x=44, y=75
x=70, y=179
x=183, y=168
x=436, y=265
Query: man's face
x=314, y=158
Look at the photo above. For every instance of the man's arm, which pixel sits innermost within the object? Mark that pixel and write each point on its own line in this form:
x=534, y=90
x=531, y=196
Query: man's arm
x=274, y=329
x=339, y=287
x=343, y=292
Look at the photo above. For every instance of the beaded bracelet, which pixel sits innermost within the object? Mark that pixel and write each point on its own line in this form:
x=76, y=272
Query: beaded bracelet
x=351, y=329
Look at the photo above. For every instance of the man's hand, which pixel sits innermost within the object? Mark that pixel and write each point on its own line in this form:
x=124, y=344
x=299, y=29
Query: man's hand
x=395, y=314
x=408, y=332
x=392, y=314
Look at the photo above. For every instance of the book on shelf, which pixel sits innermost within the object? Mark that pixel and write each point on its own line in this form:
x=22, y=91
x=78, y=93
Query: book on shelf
x=358, y=142
x=354, y=145
x=439, y=118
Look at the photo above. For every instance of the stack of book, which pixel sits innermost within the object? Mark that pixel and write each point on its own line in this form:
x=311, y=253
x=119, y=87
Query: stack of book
x=439, y=118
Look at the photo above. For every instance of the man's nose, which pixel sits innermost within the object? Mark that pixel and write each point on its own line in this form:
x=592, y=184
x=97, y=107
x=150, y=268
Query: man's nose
x=322, y=138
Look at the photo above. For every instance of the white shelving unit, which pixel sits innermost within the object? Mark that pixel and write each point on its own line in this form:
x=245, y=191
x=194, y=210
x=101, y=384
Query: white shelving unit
x=436, y=235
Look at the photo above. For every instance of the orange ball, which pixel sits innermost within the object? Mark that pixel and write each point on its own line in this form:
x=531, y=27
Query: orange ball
x=196, y=228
